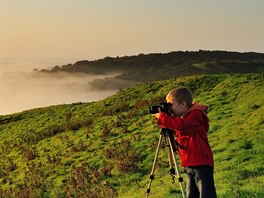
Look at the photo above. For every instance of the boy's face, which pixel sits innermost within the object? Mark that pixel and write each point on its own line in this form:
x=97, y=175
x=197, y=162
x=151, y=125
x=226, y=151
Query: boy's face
x=178, y=109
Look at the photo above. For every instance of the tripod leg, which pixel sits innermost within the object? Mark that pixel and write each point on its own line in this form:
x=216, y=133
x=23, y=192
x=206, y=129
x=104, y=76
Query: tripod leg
x=154, y=166
x=176, y=168
x=172, y=165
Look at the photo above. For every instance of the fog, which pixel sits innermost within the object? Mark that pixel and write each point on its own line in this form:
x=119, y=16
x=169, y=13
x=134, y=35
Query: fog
x=26, y=90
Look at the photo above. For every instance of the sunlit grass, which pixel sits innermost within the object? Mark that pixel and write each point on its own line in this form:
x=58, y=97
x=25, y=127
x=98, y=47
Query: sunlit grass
x=110, y=144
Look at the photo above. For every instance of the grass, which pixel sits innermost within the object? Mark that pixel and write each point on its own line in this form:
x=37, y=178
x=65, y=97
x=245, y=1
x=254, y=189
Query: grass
x=106, y=148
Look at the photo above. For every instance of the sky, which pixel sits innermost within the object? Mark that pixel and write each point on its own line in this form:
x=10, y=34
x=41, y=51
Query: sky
x=63, y=31
x=41, y=34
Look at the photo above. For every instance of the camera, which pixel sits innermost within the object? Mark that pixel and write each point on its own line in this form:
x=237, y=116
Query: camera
x=163, y=107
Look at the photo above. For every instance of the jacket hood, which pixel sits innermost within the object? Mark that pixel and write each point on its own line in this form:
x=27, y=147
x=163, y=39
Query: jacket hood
x=195, y=105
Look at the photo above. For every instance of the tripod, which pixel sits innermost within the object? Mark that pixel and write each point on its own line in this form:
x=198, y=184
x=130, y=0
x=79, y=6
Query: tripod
x=167, y=134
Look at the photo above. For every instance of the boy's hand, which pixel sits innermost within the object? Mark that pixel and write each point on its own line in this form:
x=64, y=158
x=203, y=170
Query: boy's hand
x=156, y=115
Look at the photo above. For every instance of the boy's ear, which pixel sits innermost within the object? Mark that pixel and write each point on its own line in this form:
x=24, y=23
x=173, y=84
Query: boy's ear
x=184, y=104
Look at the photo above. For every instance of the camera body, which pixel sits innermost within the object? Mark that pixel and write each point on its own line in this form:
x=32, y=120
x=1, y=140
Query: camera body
x=163, y=107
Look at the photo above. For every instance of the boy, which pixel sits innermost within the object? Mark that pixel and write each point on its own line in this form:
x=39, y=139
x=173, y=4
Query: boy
x=190, y=122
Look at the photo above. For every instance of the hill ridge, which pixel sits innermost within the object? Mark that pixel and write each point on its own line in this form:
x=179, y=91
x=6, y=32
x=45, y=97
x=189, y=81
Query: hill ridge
x=131, y=70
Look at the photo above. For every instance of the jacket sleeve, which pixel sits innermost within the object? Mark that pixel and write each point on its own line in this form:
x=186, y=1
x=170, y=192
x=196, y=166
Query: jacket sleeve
x=191, y=121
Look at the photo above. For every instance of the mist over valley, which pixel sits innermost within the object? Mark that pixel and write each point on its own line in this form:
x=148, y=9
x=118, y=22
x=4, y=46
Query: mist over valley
x=26, y=90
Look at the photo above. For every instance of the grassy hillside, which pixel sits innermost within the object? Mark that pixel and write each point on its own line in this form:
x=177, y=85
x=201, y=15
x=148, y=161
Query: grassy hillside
x=106, y=148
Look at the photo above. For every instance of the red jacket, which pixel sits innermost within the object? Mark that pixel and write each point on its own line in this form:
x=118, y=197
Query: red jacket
x=191, y=132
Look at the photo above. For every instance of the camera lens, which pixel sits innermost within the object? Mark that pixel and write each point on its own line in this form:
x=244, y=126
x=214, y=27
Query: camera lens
x=154, y=109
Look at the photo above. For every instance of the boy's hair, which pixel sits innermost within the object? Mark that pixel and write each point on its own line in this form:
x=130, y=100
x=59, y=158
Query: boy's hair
x=182, y=94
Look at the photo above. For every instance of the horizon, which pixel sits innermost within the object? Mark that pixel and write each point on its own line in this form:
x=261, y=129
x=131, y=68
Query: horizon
x=28, y=65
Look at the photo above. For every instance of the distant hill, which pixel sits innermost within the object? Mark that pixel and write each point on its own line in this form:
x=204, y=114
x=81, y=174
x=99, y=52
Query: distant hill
x=106, y=148
x=131, y=70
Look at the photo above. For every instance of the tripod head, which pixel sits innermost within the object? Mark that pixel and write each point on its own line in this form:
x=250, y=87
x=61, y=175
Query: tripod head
x=171, y=134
